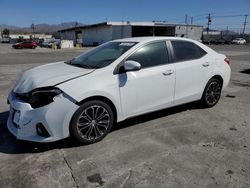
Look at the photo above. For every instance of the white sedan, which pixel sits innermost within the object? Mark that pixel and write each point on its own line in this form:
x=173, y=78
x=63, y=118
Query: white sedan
x=120, y=79
x=239, y=41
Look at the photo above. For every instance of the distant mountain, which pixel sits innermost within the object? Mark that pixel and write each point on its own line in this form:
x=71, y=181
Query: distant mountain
x=40, y=28
x=3, y=26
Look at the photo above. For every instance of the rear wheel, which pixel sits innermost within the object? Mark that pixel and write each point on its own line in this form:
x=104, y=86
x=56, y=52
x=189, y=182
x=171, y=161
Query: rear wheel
x=92, y=122
x=212, y=93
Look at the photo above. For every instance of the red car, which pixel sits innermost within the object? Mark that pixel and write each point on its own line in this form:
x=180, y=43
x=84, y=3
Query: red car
x=27, y=44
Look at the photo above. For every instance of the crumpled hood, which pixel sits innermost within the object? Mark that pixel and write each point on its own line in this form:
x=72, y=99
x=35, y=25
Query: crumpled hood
x=48, y=75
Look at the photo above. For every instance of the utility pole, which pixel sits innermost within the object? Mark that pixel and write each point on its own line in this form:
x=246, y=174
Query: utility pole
x=186, y=18
x=244, y=24
x=76, y=24
x=208, y=22
x=191, y=20
x=33, y=29
x=186, y=22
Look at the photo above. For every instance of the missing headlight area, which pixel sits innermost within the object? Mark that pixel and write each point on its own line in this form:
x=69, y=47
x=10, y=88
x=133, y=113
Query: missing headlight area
x=39, y=97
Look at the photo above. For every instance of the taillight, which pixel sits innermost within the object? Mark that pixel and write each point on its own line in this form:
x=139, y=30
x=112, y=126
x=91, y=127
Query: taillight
x=227, y=61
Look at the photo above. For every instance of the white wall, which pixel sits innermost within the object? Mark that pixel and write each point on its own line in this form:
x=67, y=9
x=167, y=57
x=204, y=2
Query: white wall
x=119, y=32
x=99, y=35
x=68, y=35
x=67, y=44
x=27, y=36
x=212, y=32
x=191, y=32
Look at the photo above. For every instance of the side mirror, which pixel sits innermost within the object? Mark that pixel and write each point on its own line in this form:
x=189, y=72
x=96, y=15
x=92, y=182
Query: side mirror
x=132, y=66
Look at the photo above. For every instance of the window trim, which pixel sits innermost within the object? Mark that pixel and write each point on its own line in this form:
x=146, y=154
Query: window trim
x=173, y=53
x=117, y=68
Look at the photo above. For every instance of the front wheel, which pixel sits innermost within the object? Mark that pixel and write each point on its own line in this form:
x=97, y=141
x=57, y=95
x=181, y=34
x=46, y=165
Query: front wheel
x=212, y=93
x=91, y=122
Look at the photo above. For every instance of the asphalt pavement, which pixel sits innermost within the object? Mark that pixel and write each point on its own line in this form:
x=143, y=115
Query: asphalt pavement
x=184, y=146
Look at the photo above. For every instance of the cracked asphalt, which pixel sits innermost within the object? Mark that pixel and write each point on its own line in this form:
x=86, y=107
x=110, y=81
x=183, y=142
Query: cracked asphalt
x=184, y=146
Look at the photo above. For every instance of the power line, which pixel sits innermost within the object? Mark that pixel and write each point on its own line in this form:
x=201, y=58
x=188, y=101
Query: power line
x=199, y=19
x=200, y=15
x=229, y=16
x=202, y=18
x=231, y=12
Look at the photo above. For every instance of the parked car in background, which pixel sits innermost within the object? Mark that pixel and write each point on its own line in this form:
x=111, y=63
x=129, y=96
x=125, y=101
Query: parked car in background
x=45, y=44
x=86, y=96
x=48, y=44
x=239, y=41
x=39, y=42
x=5, y=40
x=26, y=44
x=216, y=40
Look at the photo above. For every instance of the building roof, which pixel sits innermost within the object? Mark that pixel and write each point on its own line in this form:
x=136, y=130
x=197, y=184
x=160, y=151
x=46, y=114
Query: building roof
x=148, y=39
x=126, y=23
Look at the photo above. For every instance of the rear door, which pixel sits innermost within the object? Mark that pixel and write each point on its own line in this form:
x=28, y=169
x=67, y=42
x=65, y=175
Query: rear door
x=193, y=68
x=152, y=87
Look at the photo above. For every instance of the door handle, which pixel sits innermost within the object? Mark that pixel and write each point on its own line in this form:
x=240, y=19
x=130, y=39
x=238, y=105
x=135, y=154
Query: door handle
x=205, y=64
x=168, y=72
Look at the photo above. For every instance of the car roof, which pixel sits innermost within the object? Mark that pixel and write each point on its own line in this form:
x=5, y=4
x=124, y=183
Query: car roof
x=143, y=40
x=148, y=39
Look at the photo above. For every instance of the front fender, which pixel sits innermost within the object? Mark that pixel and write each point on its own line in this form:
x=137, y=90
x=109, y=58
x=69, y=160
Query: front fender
x=99, y=83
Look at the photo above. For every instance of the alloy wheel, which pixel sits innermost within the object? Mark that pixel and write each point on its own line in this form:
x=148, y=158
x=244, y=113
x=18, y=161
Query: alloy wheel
x=213, y=93
x=93, y=122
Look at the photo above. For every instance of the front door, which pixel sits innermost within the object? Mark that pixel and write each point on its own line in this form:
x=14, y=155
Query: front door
x=152, y=87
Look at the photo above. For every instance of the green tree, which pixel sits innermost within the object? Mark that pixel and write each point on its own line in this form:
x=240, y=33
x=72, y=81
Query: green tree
x=5, y=32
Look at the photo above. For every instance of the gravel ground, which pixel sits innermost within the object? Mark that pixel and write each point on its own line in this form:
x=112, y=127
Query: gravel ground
x=184, y=146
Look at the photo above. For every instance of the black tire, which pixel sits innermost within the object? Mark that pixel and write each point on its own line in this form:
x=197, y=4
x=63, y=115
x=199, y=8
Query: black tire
x=211, y=93
x=86, y=125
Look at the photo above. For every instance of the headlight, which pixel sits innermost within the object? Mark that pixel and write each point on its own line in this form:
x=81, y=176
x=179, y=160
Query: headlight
x=40, y=97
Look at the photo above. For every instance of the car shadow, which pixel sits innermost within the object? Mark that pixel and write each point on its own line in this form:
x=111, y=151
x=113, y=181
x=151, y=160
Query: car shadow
x=245, y=71
x=156, y=115
x=10, y=145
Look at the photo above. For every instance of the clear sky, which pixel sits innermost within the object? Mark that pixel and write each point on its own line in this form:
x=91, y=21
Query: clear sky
x=23, y=12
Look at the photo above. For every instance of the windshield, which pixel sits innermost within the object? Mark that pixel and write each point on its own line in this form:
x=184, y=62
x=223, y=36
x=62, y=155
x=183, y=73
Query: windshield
x=102, y=56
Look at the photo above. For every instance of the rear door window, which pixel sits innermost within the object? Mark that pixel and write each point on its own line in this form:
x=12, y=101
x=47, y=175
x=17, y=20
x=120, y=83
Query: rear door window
x=185, y=50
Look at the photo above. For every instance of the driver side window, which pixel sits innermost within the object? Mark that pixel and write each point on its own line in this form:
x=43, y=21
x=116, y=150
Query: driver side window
x=150, y=55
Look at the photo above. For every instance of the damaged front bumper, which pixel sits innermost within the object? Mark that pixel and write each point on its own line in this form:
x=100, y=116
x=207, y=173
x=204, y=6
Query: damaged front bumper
x=44, y=124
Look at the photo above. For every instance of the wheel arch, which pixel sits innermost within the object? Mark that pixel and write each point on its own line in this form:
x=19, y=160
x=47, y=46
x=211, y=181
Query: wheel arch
x=103, y=99
x=219, y=77
x=203, y=98
x=216, y=76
